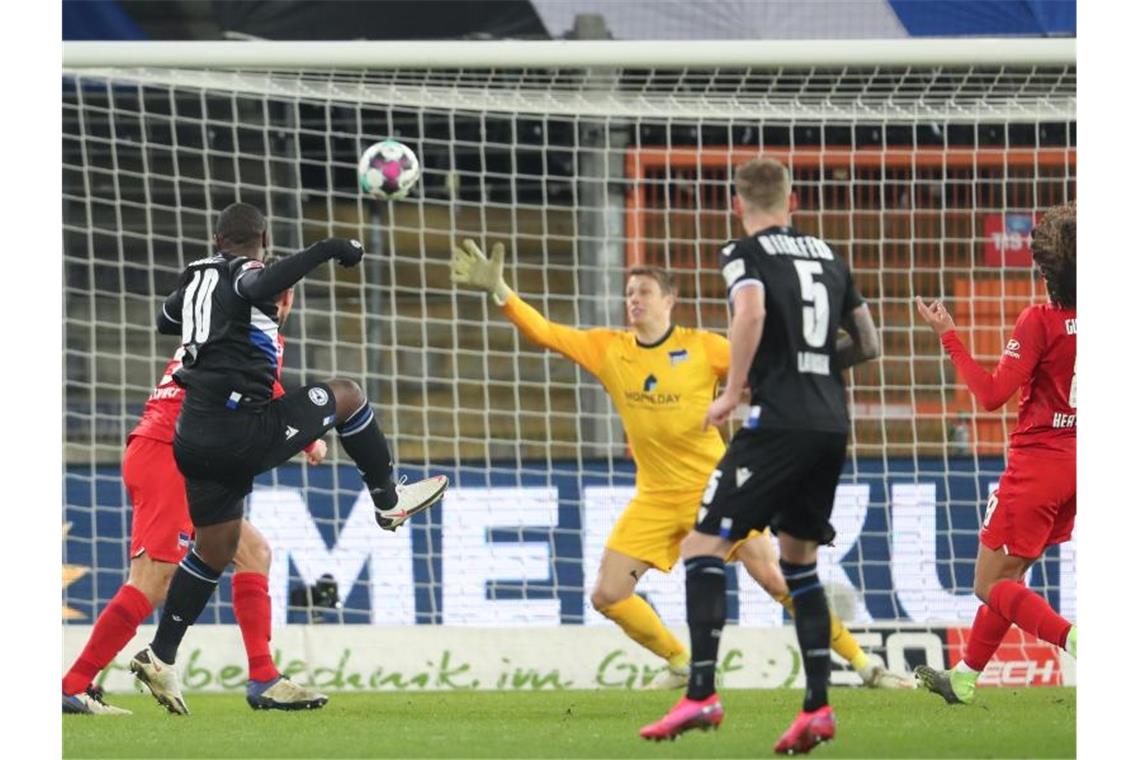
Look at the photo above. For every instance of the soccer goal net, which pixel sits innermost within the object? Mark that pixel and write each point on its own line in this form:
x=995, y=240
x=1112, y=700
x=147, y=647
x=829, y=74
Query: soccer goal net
x=924, y=164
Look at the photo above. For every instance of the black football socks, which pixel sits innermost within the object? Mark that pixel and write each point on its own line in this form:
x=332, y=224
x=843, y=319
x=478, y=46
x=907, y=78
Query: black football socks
x=362, y=440
x=705, y=604
x=190, y=589
x=813, y=629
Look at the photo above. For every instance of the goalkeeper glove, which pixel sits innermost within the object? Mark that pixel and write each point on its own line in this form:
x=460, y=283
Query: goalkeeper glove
x=470, y=267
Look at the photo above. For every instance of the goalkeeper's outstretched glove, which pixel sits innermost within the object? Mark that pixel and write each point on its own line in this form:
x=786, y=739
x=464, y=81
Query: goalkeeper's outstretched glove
x=470, y=267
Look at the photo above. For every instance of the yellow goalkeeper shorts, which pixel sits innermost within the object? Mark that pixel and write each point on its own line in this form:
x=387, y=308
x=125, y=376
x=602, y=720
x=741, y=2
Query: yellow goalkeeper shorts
x=651, y=528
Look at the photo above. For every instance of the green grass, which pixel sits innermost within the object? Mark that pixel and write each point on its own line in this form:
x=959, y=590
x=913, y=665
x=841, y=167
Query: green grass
x=1037, y=722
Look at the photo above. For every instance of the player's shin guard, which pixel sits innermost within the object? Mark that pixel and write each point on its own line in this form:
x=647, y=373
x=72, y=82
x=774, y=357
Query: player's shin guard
x=252, y=609
x=988, y=630
x=1029, y=612
x=114, y=628
x=362, y=440
x=190, y=589
x=813, y=630
x=705, y=603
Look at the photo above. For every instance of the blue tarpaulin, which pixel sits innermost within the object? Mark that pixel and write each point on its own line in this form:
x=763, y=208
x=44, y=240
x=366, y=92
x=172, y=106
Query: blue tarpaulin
x=98, y=20
x=988, y=18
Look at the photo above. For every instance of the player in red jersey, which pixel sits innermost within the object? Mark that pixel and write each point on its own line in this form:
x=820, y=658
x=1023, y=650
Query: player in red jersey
x=1035, y=503
x=160, y=536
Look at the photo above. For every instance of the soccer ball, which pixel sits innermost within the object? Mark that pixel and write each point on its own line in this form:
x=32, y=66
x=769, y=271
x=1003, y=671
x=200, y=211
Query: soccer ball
x=388, y=170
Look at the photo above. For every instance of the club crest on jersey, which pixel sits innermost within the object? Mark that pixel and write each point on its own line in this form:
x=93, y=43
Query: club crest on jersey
x=318, y=396
x=678, y=356
x=649, y=384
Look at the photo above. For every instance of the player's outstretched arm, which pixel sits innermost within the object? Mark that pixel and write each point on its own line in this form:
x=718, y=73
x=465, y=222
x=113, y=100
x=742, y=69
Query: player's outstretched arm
x=258, y=283
x=1015, y=368
x=471, y=268
x=861, y=343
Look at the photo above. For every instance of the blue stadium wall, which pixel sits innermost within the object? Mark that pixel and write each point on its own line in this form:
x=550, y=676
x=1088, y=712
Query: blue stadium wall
x=99, y=536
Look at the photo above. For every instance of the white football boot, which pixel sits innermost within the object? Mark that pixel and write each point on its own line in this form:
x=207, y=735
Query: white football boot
x=413, y=499
x=878, y=677
x=161, y=679
x=283, y=694
x=669, y=678
x=90, y=702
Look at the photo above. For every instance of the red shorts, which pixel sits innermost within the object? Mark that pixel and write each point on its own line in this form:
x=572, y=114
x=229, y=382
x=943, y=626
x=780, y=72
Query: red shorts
x=160, y=522
x=1033, y=507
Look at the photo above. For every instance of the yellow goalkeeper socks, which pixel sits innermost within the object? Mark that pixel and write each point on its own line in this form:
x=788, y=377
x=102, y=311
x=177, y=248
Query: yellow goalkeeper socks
x=644, y=626
x=842, y=641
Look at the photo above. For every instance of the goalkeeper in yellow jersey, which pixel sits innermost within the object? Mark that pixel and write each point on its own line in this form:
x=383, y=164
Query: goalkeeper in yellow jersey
x=661, y=378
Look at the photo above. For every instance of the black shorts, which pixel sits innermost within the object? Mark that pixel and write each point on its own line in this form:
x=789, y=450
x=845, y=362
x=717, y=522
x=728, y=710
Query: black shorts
x=782, y=479
x=219, y=452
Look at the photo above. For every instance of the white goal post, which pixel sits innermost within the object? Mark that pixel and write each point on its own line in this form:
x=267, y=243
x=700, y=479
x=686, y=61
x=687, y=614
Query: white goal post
x=923, y=162
x=514, y=54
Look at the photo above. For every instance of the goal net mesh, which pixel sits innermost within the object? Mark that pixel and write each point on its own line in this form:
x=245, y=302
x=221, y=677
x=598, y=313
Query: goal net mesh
x=927, y=180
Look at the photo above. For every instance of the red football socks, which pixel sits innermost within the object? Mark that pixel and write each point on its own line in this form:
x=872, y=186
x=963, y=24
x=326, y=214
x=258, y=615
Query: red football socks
x=1029, y=612
x=985, y=636
x=252, y=610
x=113, y=630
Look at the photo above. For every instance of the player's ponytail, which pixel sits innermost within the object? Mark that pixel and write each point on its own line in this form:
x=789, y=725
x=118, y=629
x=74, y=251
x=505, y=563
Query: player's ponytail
x=1055, y=253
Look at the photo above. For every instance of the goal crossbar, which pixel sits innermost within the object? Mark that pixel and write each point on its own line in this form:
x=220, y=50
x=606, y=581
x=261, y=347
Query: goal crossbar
x=507, y=54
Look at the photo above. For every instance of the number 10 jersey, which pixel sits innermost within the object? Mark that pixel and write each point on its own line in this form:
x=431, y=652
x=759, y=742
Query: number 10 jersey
x=808, y=290
x=229, y=342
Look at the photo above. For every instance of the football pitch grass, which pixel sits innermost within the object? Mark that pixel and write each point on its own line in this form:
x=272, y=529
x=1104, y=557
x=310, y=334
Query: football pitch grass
x=1036, y=722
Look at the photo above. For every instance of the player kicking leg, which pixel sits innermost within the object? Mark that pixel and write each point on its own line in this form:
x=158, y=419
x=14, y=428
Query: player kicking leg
x=759, y=559
x=216, y=505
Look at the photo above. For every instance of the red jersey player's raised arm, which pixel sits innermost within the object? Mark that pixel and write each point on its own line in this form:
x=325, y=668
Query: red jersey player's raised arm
x=1018, y=361
x=1040, y=358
